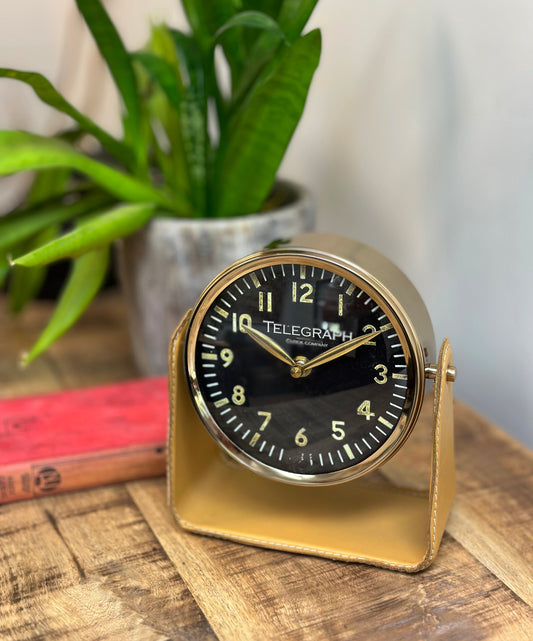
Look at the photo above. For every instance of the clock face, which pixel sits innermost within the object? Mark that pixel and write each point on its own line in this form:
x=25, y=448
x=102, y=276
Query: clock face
x=301, y=370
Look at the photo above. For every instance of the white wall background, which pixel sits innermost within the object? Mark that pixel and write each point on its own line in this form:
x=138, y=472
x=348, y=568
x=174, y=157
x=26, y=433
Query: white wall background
x=417, y=139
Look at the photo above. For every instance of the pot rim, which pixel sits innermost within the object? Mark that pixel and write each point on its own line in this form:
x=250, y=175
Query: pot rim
x=302, y=199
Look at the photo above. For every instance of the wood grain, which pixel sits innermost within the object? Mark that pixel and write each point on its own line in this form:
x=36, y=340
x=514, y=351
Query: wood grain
x=88, y=566
x=111, y=564
x=275, y=595
x=492, y=515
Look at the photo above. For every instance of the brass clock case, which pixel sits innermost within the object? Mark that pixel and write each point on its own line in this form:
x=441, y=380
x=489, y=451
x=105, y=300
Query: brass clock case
x=388, y=286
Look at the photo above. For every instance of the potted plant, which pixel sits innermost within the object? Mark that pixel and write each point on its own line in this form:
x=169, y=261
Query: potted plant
x=196, y=162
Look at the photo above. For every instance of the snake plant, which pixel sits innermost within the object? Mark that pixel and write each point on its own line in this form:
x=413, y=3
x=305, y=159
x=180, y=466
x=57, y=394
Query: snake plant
x=196, y=142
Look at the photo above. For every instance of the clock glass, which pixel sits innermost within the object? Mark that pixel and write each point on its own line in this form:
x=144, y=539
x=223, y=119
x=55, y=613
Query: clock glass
x=301, y=369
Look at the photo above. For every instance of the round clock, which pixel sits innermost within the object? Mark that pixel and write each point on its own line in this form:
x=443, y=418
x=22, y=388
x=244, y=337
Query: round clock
x=307, y=361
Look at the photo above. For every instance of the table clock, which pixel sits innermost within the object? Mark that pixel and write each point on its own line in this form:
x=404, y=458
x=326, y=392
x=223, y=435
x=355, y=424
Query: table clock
x=300, y=371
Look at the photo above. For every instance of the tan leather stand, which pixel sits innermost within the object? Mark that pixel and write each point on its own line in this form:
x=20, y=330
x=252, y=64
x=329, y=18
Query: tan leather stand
x=363, y=521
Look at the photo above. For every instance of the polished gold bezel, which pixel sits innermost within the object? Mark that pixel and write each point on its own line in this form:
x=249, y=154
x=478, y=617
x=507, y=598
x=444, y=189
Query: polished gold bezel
x=412, y=346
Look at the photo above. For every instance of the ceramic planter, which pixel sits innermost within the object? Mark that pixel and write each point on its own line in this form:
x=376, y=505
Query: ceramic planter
x=165, y=266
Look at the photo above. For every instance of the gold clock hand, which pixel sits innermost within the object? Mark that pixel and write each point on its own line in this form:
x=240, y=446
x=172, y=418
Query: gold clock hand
x=339, y=350
x=267, y=343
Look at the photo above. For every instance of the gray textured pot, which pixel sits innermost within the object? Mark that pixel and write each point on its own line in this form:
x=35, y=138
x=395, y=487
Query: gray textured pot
x=164, y=267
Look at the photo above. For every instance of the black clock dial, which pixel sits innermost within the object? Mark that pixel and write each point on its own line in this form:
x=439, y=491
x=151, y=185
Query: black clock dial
x=276, y=391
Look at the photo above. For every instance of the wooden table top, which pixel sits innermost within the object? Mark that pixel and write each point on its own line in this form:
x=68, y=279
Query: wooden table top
x=111, y=564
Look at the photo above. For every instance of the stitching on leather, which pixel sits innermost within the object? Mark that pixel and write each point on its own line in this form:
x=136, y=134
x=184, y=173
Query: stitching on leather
x=300, y=548
x=171, y=422
x=442, y=383
x=404, y=491
x=172, y=413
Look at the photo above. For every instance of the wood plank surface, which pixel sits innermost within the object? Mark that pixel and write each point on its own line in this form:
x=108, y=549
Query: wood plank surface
x=492, y=514
x=111, y=563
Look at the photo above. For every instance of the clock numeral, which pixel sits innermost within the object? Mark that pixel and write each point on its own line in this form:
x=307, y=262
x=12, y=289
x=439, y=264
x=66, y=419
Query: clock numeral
x=227, y=357
x=238, y=396
x=381, y=378
x=301, y=439
x=369, y=329
x=238, y=322
x=306, y=297
x=337, y=432
x=261, y=303
x=267, y=416
x=364, y=410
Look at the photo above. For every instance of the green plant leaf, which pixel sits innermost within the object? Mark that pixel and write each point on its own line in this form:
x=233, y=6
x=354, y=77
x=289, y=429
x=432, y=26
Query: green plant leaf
x=270, y=7
x=205, y=18
x=21, y=151
x=261, y=54
x=166, y=141
x=252, y=19
x=84, y=281
x=4, y=270
x=162, y=111
x=119, y=63
x=49, y=95
x=193, y=118
x=48, y=184
x=162, y=45
x=253, y=146
x=161, y=72
x=293, y=16
x=25, y=284
x=18, y=226
x=191, y=61
x=102, y=229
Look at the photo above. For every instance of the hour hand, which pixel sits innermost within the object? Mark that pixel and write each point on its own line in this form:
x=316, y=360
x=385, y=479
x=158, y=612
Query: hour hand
x=268, y=344
x=339, y=350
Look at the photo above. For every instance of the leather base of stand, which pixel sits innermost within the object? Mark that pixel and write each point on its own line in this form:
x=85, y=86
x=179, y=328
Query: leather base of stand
x=363, y=521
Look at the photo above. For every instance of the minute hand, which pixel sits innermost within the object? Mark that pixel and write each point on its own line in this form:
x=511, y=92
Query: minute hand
x=339, y=350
